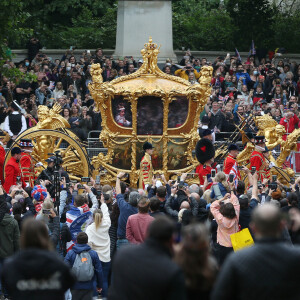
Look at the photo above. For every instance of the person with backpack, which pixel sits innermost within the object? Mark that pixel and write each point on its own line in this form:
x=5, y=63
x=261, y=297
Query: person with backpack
x=87, y=268
x=99, y=240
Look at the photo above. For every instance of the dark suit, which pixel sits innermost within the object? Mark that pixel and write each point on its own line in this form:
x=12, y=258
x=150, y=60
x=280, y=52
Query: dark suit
x=268, y=270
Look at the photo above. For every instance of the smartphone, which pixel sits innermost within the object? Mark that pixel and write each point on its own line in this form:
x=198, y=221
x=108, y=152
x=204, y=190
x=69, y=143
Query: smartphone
x=75, y=101
x=213, y=173
x=85, y=179
x=18, y=179
x=71, y=47
x=231, y=176
x=253, y=170
x=46, y=212
x=97, y=181
x=274, y=178
x=208, y=176
x=178, y=179
x=99, y=193
x=88, y=51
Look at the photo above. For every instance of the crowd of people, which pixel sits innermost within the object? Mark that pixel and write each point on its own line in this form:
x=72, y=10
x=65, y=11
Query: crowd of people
x=268, y=86
x=167, y=240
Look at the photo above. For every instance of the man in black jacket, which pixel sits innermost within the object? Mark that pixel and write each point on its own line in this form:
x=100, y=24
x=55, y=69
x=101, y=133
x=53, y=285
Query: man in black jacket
x=268, y=270
x=48, y=175
x=146, y=271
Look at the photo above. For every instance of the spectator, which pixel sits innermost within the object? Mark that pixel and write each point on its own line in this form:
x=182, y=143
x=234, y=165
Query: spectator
x=14, y=123
x=192, y=255
x=23, y=276
x=226, y=212
x=126, y=209
x=9, y=236
x=149, y=262
x=137, y=224
x=58, y=91
x=185, y=72
x=99, y=240
x=216, y=117
x=290, y=121
x=255, y=271
x=83, y=289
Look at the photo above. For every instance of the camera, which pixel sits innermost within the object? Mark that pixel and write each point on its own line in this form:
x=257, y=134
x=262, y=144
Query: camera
x=85, y=179
x=213, y=173
x=46, y=212
x=253, y=170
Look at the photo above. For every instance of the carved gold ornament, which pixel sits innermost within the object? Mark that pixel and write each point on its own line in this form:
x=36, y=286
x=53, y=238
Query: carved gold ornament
x=123, y=104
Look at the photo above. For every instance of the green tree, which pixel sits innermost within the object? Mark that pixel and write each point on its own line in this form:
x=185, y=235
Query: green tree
x=13, y=18
x=201, y=26
x=253, y=20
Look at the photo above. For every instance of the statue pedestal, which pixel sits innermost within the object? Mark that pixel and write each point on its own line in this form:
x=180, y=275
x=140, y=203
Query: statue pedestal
x=137, y=20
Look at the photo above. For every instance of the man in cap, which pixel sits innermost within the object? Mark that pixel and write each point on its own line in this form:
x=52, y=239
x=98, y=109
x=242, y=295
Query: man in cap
x=26, y=165
x=205, y=153
x=146, y=170
x=230, y=164
x=12, y=170
x=257, y=158
x=15, y=123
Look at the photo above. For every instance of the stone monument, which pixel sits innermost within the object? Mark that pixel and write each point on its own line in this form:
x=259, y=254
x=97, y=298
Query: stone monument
x=137, y=20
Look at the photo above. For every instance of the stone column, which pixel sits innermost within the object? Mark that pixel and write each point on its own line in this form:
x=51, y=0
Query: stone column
x=137, y=20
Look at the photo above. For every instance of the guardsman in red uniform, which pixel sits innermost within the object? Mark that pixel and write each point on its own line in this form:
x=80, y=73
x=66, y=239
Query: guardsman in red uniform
x=230, y=164
x=257, y=158
x=12, y=169
x=26, y=165
x=3, y=141
x=205, y=153
x=146, y=170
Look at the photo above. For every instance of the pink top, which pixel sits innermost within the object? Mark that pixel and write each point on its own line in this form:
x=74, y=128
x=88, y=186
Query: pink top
x=137, y=226
x=226, y=226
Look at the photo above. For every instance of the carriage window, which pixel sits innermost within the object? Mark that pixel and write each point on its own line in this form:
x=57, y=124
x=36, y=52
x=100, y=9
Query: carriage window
x=121, y=110
x=150, y=116
x=178, y=112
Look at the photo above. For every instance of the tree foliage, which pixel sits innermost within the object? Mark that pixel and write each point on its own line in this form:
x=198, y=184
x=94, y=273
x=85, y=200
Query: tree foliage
x=198, y=25
x=13, y=18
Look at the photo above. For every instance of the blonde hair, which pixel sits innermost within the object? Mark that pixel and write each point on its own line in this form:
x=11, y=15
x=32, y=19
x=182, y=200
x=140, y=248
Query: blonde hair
x=221, y=177
x=47, y=204
x=97, y=216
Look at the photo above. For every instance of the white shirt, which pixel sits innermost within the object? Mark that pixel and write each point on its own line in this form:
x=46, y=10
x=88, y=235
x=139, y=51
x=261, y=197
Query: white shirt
x=6, y=124
x=99, y=239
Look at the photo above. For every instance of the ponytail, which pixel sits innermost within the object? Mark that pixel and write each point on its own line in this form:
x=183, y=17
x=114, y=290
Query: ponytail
x=98, y=215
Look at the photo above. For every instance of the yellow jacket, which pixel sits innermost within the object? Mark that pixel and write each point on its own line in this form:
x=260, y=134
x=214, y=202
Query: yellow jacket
x=182, y=73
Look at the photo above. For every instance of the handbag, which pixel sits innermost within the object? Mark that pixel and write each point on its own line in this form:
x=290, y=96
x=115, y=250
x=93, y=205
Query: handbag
x=241, y=239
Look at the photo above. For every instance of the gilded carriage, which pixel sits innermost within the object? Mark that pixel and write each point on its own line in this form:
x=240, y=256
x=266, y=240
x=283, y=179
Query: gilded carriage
x=148, y=105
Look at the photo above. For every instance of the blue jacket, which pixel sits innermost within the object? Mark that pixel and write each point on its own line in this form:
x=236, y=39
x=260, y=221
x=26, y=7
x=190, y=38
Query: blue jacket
x=98, y=276
x=126, y=210
x=245, y=76
x=222, y=190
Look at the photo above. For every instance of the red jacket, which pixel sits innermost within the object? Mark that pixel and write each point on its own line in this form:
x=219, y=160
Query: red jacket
x=2, y=157
x=202, y=171
x=12, y=170
x=289, y=125
x=230, y=163
x=258, y=160
x=26, y=167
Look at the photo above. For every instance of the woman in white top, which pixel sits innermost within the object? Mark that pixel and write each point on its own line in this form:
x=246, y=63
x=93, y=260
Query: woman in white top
x=58, y=91
x=99, y=240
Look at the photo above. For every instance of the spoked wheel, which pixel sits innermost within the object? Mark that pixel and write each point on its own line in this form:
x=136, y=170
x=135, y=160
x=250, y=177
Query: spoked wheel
x=45, y=141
